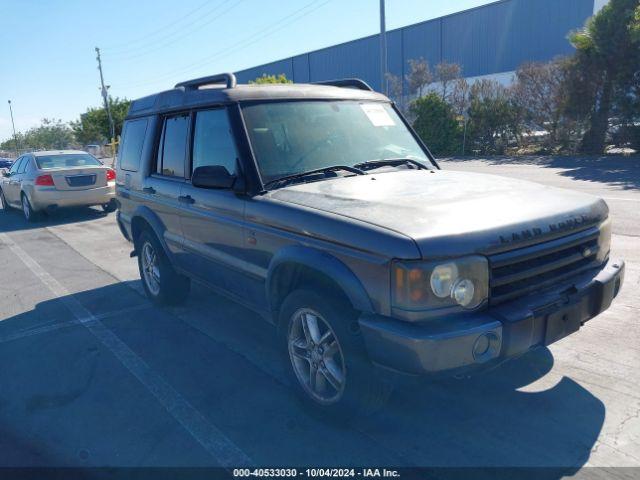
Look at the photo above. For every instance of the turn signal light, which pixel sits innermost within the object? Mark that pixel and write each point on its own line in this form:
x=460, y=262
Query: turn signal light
x=44, y=180
x=111, y=175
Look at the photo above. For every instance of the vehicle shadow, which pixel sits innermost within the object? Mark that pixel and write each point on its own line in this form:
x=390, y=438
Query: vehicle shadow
x=618, y=171
x=13, y=220
x=496, y=419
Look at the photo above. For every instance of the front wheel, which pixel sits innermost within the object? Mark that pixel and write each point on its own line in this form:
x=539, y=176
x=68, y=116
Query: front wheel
x=3, y=203
x=162, y=284
x=325, y=356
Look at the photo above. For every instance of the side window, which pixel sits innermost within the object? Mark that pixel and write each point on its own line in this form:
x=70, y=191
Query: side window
x=173, y=146
x=16, y=165
x=132, y=143
x=23, y=165
x=213, y=142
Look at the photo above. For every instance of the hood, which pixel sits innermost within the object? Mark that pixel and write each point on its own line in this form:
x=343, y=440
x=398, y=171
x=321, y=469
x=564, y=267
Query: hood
x=451, y=213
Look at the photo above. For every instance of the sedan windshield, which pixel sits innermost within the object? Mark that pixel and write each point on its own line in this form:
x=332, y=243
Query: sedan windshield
x=50, y=162
x=294, y=137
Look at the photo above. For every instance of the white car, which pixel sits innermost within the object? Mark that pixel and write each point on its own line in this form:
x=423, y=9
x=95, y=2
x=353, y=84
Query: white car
x=44, y=181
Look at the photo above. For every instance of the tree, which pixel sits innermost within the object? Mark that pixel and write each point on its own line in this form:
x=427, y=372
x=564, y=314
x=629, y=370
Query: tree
x=459, y=98
x=419, y=76
x=606, y=66
x=493, y=117
x=269, y=79
x=394, y=85
x=538, y=92
x=446, y=73
x=93, y=125
x=49, y=135
x=436, y=124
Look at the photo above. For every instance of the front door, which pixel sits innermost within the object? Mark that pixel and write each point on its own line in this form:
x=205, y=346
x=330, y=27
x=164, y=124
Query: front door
x=11, y=184
x=212, y=219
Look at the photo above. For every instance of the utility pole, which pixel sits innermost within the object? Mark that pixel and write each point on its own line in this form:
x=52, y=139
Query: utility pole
x=15, y=137
x=105, y=98
x=383, y=50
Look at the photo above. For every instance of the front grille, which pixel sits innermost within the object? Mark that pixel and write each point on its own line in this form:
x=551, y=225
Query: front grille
x=525, y=270
x=81, y=180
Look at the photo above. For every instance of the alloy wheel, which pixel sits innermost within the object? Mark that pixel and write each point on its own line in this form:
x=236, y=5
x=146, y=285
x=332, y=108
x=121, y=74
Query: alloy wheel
x=151, y=268
x=316, y=356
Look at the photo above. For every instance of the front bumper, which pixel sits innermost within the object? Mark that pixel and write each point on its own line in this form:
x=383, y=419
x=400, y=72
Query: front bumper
x=44, y=198
x=471, y=341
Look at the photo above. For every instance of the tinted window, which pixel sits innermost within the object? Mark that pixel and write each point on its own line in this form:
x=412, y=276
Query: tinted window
x=173, y=145
x=213, y=141
x=133, y=140
x=23, y=166
x=14, y=167
x=49, y=162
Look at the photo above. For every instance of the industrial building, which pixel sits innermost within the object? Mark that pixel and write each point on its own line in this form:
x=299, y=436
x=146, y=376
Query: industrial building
x=490, y=40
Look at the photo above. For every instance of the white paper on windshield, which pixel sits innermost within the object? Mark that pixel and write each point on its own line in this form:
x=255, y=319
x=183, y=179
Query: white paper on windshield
x=377, y=115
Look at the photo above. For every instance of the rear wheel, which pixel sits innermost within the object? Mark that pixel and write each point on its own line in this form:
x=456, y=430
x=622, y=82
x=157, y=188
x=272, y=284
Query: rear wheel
x=325, y=356
x=29, y=214
x=162, y=284
x=112, y=206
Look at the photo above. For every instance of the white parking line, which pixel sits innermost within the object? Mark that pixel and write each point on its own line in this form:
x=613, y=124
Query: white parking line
x=214, y=441
x=69, y=323
x=621, y=199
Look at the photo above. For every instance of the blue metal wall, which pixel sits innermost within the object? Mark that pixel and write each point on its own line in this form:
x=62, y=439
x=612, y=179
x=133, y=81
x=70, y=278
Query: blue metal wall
x=489, y=39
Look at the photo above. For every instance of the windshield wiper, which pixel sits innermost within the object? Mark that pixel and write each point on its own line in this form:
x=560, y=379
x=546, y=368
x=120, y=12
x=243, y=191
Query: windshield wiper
x=390, y=162
x=287, y=179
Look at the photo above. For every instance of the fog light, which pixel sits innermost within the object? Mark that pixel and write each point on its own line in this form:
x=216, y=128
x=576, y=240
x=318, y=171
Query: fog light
x=463, y=292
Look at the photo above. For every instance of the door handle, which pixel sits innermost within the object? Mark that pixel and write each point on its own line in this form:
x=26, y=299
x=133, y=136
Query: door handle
x=150, y=190
x=186, y=199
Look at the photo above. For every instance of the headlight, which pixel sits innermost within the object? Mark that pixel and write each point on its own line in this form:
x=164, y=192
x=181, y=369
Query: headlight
x=431, y=285
x=604, y=240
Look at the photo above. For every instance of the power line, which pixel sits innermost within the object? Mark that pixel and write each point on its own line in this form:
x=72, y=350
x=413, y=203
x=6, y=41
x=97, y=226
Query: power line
x=175, y=36
x=162, y=29
x=250, y=40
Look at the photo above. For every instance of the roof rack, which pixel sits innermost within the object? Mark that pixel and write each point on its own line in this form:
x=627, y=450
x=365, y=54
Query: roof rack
x=347, y=82
x=228, y=78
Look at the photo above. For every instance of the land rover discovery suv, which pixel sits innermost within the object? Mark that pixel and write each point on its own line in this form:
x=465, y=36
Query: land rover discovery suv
x=318, y=207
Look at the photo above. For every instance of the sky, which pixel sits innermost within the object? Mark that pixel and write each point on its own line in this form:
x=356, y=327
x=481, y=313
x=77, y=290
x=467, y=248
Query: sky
x=48, y=63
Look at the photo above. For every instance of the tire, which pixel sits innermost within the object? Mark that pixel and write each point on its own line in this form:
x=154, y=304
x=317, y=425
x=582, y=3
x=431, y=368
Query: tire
x=346, y=383
x=112, y=206
x=3, y=203
x=27, y=210
x=162, y=284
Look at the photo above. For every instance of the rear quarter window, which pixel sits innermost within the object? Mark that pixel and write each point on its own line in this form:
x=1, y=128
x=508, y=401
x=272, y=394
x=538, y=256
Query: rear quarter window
x=132, y=143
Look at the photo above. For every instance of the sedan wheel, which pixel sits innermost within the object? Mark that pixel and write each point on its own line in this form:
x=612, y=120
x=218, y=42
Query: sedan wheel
x=150, y=268
x=28, y=212
x=316, y=356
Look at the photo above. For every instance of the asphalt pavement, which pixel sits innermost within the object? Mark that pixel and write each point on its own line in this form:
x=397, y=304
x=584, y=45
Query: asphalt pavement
x=91, y=374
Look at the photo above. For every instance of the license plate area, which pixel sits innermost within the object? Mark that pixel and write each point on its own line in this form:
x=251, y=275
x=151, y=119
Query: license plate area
x=562, y=323
x=81, y=180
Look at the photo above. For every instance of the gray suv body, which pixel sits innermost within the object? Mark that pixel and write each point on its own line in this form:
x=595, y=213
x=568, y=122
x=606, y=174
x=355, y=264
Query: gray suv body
x=318, y=207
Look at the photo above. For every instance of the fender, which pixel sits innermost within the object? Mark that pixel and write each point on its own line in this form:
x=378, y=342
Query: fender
x=326, y=264
x=156, y=225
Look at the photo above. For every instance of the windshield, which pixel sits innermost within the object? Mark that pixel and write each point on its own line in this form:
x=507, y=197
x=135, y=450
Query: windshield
x=294, y=137
x=50, y=162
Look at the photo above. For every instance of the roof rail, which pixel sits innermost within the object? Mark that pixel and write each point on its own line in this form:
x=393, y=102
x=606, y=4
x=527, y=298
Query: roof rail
x=347, y=83
x=228, y=78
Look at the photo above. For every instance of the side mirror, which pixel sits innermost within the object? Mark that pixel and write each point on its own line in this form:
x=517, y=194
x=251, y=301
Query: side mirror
x=212, y=176
x=6, y=173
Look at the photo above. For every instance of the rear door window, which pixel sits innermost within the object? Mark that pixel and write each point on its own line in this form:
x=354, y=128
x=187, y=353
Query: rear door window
x=132, y=143
x=23, y=166
x=172, y=150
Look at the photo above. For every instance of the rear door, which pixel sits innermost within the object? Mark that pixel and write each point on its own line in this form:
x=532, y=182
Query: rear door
x=212, y=219
x=161, y=188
